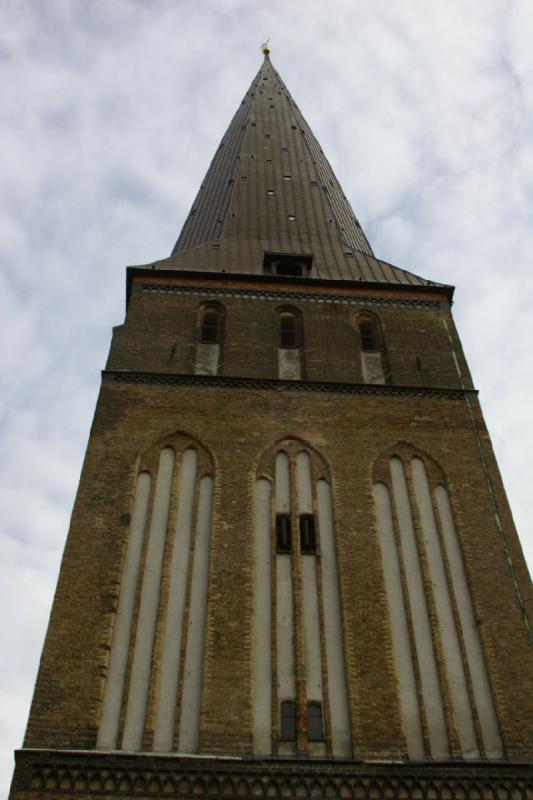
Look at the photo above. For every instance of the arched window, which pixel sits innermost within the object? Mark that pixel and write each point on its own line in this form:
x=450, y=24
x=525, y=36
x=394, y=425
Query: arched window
x=288, y=721
x=369, y=336
x=288, y=330
x=209, y=337
x=210, y=326
x=289, y=345
x=371, y=348
x=315, y=731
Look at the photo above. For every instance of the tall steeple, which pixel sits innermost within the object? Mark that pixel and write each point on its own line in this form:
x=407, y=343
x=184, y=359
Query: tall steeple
x=291, y=570
x=271, y=190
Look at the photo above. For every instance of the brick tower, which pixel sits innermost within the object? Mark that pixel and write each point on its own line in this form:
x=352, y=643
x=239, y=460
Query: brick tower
x=291, y=570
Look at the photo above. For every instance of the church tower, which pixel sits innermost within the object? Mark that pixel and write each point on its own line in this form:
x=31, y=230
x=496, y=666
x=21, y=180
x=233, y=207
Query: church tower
x=292, y=570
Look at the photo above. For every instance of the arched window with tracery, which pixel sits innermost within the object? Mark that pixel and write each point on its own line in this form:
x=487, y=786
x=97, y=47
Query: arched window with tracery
x=210, y=327
x=289, y=345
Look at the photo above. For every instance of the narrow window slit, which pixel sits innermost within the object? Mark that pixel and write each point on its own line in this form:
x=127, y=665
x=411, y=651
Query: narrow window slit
x=307, y=533
x=283, y=533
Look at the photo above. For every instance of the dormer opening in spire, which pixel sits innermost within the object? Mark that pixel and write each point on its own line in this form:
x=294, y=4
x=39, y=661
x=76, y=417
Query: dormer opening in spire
x=295, y=265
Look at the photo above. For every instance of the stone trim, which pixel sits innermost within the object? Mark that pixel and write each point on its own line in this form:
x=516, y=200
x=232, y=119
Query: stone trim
x=256, y=294
x=86, y=774
x=323, y=387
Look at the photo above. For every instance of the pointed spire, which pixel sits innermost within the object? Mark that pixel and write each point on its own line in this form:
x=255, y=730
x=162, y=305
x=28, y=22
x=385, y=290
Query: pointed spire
x=271, y=189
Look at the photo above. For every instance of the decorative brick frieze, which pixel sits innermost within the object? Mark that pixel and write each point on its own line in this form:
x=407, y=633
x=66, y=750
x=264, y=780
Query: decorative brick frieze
x=80, y=775
x=278, y=296
x=161, y=378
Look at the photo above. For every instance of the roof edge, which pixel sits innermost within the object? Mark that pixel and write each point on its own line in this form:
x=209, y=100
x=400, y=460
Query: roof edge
x=149, y=270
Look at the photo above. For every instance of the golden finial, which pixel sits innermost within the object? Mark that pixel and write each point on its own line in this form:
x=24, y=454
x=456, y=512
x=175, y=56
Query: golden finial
x=265, y=48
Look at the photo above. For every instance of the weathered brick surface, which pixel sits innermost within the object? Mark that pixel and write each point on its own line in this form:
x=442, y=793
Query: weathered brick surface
x=237, y=427
x=161, y=331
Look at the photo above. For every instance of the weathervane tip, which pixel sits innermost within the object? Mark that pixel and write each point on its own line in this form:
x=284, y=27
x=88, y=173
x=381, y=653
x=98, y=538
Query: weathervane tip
x=265, y=48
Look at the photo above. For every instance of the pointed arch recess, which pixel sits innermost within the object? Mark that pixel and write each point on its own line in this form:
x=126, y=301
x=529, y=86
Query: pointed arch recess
x=425, y=580
x=293, y=487
x=169, y=533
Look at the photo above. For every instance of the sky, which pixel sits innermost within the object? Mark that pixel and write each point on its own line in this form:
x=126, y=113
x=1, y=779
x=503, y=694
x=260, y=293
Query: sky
x=110, y=113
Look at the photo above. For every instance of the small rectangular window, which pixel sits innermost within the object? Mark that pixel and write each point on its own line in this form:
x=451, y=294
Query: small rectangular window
x=288, y=721
x=307, y=533
x=283, y=533
x=315, y=732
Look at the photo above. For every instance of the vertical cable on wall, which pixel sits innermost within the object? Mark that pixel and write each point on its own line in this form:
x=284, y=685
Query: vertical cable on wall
x=311, y=618
x=285, y=667
x=173, y=626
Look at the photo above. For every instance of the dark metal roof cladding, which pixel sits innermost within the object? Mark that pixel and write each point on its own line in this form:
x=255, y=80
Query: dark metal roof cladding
x=270, y=188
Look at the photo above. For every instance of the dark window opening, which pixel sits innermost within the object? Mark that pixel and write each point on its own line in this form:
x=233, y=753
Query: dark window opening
x=315, y=732
x=369, y=337
x=288, y=721
x=288, y=268
x=291, y=264
x=307, y=533
x=288, y=330
x=283, y=533
x=209, y=333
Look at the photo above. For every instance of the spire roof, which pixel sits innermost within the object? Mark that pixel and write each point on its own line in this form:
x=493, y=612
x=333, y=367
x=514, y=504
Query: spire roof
x=271, y=190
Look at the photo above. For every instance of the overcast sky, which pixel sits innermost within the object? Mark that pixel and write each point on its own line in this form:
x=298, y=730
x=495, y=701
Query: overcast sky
x=110, y=113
